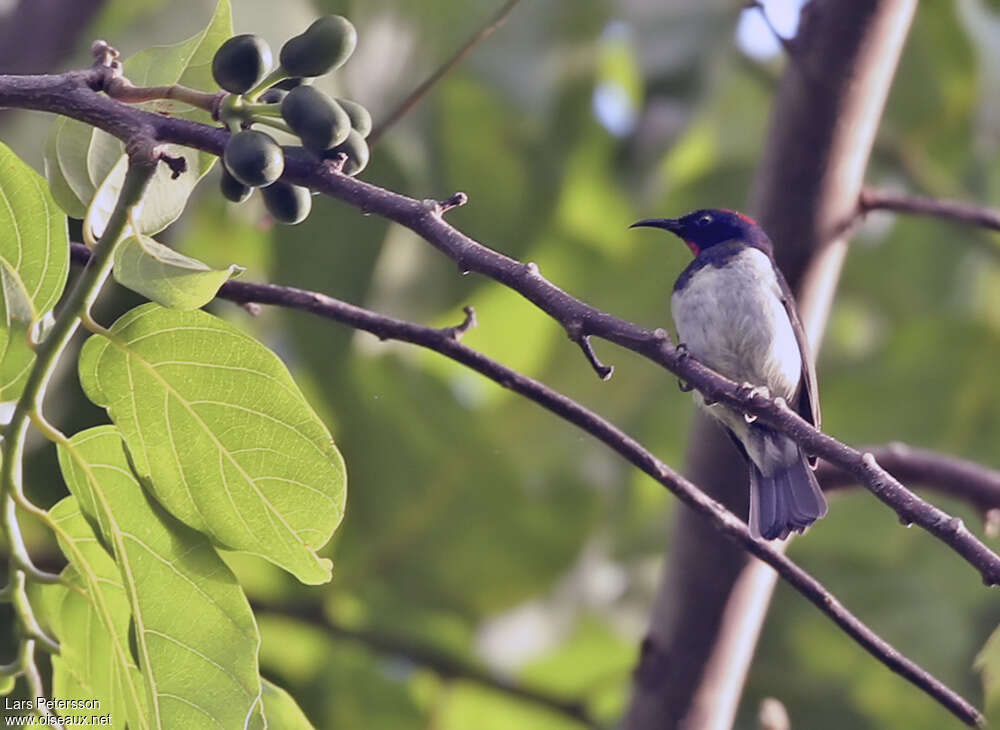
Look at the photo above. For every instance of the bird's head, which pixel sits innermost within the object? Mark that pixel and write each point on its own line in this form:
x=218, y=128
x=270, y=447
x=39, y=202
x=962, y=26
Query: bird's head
x=703, y=229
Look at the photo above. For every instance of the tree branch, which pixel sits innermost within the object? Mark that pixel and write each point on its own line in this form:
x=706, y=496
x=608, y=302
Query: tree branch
x=444, y=664
x=442, y=341
x=967, y=480
x=952, y=210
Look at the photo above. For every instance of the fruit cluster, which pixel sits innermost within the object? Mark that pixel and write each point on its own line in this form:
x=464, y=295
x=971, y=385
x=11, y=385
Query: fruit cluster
x=281, y=98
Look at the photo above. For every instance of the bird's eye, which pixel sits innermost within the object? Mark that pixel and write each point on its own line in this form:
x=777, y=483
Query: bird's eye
x=705, y=220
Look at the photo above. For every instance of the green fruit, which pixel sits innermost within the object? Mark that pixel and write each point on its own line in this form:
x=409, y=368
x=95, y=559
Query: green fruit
x=361, y=120
x=253, y=158
x=241, y=63
x=286, y=202
x=272, y=96
x=356, y=150
x=324, y=46
x=290, y=83
x=315, y=117
x=233, y=189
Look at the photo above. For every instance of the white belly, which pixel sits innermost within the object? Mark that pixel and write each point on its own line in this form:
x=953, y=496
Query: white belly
x=733, y=320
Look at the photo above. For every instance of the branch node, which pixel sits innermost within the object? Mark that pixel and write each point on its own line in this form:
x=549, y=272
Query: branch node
x=455, y=201
x=337, y=162
x=252, y=308
x=177, y=164
x=104, y=54
x=604, y=372
x=661, y=335
x=531, y=269
x=455, y=333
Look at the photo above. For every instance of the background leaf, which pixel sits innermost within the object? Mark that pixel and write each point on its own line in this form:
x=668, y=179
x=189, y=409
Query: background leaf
x=217, y=425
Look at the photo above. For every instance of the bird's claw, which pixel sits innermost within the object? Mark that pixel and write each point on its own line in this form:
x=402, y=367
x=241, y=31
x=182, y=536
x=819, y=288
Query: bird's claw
x=685, y=388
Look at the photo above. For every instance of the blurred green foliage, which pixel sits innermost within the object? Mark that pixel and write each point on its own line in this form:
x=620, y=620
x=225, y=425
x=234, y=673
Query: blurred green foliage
x=483, y=526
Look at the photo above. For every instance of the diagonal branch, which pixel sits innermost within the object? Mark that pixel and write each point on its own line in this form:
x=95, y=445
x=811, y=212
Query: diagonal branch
x=972, y=482
x=444, y=664
x=441, y=341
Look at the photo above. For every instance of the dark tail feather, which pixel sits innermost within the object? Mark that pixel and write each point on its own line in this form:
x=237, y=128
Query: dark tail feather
x=789, y=499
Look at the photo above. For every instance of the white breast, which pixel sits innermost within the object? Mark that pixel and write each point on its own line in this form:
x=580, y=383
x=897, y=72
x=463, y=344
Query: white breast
x=733, y=320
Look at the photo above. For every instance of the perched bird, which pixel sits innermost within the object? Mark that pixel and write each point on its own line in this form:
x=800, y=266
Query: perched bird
x=735, y=313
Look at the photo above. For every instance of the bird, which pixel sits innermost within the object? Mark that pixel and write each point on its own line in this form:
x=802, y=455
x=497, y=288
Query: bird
x=735, y=313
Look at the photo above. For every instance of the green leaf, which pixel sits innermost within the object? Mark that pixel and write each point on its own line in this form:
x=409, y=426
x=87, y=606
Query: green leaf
x=166, y=276
x=194, y=632
x=34, y=261
x=85, y=166
x=89, y=614
x=66, y=165
x=220, y=432
x=281, y=710
x=163, y=201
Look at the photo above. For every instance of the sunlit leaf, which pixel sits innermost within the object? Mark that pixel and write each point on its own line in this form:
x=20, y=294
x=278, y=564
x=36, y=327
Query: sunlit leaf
x=90, y=615
x=215, y=422
x=193, y=629
x=166, y=276
x=34, y=260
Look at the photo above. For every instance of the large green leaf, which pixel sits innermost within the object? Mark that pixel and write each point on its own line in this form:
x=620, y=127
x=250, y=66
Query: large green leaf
x=34, y=260
x=217, y=426
x=85, y=166
x=194, y=632
x=90, y=616
x=166, y=276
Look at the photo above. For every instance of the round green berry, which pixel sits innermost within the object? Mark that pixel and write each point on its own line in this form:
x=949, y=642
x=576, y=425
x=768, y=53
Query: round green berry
x=241, y=63
x=318, y=120
x=233, y=189
x=324, y=46
x=253, y=158
x=287, y=203
x=361, y=120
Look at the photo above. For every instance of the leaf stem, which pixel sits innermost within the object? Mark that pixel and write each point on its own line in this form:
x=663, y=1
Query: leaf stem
x=122, y=89
x=142, y=165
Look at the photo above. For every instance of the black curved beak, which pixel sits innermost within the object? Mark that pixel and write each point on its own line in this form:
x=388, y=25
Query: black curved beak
x=668, y=224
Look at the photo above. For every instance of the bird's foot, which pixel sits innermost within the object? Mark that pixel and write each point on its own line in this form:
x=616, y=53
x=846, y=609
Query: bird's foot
x=682, y=351
x=685, y=388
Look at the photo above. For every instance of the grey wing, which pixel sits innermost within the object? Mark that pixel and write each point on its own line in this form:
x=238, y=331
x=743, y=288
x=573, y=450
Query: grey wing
x=808, y=405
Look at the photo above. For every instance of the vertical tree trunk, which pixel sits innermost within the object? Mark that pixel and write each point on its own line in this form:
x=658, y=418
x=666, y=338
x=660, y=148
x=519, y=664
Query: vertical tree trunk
x=712, y=602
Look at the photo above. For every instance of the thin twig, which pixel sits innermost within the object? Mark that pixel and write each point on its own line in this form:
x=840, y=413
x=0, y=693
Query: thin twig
x=418, y=93
x=953, y=210
x=389, y=328
x=444, y=664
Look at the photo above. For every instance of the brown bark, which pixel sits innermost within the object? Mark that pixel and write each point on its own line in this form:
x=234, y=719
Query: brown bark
x=712, y=602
